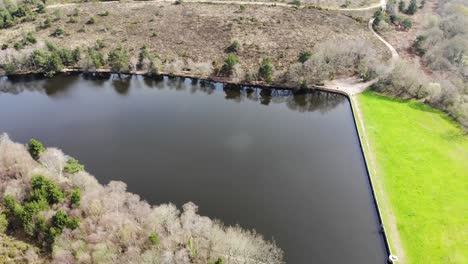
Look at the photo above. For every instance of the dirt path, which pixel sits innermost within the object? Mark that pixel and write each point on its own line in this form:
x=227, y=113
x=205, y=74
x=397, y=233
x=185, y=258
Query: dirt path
x=352, y=85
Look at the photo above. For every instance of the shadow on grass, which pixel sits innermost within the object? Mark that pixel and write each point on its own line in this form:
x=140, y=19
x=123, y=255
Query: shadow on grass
x=456, y=136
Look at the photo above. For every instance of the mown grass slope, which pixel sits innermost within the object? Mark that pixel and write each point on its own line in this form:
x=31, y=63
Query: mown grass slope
x=422, y=161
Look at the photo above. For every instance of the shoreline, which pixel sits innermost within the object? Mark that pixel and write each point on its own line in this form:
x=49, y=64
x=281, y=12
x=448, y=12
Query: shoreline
x=218, y=79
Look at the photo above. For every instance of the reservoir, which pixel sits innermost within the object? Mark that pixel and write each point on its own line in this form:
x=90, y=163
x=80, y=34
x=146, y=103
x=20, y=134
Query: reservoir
x=287, y=164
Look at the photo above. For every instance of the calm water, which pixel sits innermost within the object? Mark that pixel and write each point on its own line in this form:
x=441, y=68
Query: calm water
x=288, y=166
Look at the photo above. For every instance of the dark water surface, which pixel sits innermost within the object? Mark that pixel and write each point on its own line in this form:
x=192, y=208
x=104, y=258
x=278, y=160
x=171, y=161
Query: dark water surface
x=288, y=166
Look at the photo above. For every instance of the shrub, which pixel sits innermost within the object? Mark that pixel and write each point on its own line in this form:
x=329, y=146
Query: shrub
x=58, y=32
x=407, y=23
x=154, y=66
x=178, y=2
x=229, y=62
x=153, y=239
x=75, y=197
x=91, y=21
x=18, y=46
x=72, y=20
x=100, y=44
x=104, y=14
x=10, y=68
x=144, y=53
x=94, y=59
x=412, y=8
x=304, y=56
x=76, y=12
x=73, y=166
x=57, y=14
x=119, y=59
x=47, y=62
x=402, y=6
x=45, y=189
x=4, y=46
x=41, y=8
x=35, y=148
x=234, y=47
x=46, y=23
x=61, y=220
x=29, y=39
x=76, y=54
x=296, y=3
x=418, y=45
x=266, y=70
x=3, y=223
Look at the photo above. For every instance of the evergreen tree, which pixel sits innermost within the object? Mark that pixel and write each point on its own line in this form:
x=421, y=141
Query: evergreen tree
x=412, y=8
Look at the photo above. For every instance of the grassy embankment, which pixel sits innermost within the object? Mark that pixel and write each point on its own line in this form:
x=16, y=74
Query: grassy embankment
x=421, y=163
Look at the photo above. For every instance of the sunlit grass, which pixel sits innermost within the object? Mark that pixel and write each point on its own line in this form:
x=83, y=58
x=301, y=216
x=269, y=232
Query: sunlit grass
x=422, y=160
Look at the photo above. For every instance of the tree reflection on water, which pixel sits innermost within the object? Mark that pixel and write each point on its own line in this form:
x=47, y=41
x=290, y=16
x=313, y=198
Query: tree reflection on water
x=296, y=100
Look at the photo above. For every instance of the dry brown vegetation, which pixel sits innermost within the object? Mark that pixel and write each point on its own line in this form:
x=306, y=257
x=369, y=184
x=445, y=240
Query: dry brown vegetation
x=191, y=33
x=324, y=3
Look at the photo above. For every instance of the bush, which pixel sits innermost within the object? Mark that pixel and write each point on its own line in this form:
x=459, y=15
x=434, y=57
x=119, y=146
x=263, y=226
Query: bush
x=35, y=148
x=76, y=54
x=58, y=32
x=10, y=68
x=18, y=46
x=29, y=39
x=304, y=56
x=402, y=6
x=94, y=59
x=153, y=239
x=91, y=21
x=234, y=47
x=3, y=223
x=45, y=189
x=119, y=59
x=412, y=8
x=73, y=166
x=46, y=23
x=100, y=44
x=266, y=70
x=296, y=3
x=407, y=23
x=104, y=14
x=75, y=197
x=72, y=20
x=60, y=220
x=47, y=62
x=57, y=14
x=41, y=8
x=418, y=45
x=229, y=62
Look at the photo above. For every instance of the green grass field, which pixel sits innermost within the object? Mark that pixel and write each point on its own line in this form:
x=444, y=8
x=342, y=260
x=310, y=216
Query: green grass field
x=422, y=162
